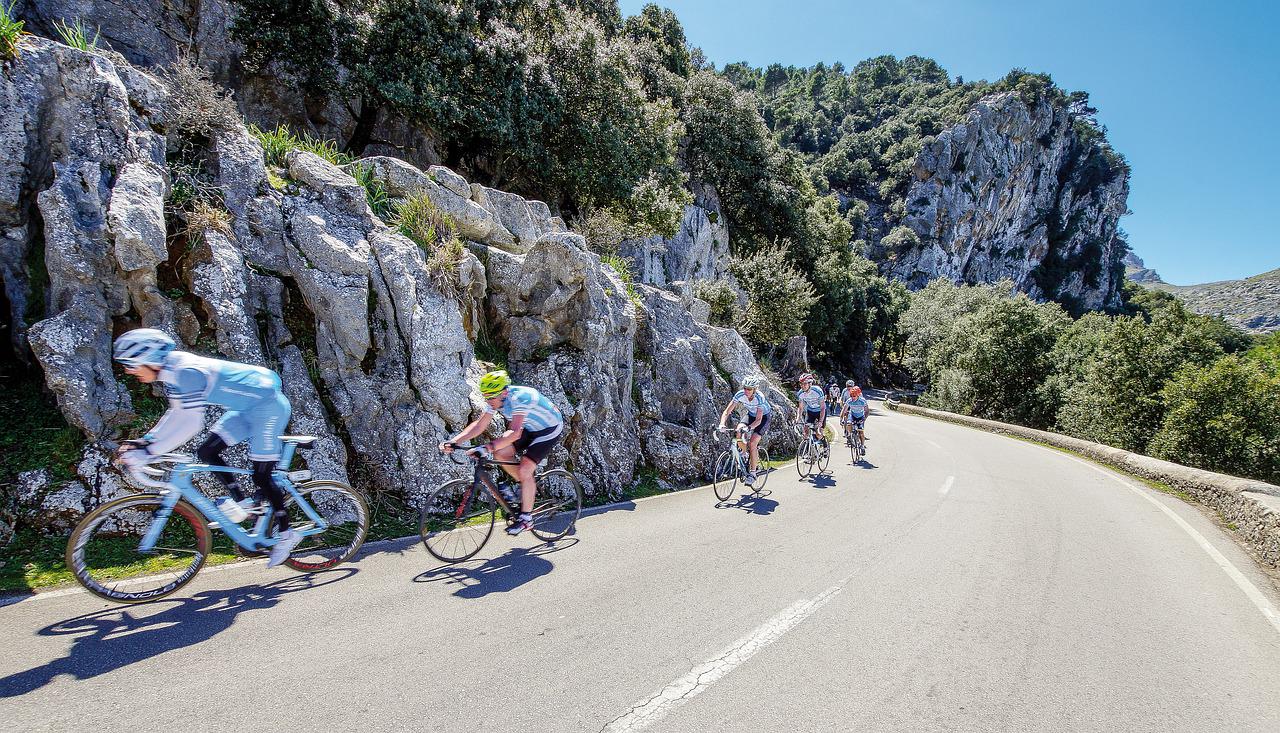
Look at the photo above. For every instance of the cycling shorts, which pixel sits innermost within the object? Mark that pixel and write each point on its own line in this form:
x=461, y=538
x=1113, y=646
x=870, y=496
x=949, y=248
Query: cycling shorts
x=812, y=416
x=261, y=423
x=536, y=445
x=857, y=422
x=762, y=428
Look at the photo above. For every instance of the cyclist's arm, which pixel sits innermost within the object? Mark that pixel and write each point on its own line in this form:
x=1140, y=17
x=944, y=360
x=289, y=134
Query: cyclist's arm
x=185, y=415
x=477, y=426
x=514, y=431
x=724, y=416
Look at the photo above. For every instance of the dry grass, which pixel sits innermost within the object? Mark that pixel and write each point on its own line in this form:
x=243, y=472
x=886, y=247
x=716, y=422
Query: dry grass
x=199, y=107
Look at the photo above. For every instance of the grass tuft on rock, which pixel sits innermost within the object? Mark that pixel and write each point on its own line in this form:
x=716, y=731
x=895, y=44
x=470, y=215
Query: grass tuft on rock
x=75, y=35
x=419, y=219
x=11, y=32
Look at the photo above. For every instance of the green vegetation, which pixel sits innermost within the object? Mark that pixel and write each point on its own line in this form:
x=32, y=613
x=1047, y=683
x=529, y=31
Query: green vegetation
x=1162, y=381
x=779, y=296
x=75, y=35
x=418, y=218
x=279, y=141
x=11, y=31
x=722, y=299
x=621, y=266
x=376, y=194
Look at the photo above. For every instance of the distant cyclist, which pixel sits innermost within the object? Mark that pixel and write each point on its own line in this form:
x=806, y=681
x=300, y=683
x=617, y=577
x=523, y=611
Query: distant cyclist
x=853, y=410
x=534, y=426
x=833, y=395
x=756, y=421
x=814, y=414
x=255, y=410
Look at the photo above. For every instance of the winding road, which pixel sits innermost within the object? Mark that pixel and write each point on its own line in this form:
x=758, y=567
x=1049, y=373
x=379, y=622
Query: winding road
x=955, y=581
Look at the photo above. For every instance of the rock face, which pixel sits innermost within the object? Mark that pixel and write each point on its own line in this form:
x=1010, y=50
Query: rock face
x=1136, y=270
x=376, y=360
x=1014, y=192
x=698, y=251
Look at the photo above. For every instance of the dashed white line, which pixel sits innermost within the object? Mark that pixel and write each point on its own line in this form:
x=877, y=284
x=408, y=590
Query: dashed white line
x=946, y=485
x=654, y=708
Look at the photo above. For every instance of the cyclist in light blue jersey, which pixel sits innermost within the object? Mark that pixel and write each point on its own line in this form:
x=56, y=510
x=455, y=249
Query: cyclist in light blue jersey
x=814, y=414
x=534, y=426
x=254, y=409
x=853, y=410
x=756, y=421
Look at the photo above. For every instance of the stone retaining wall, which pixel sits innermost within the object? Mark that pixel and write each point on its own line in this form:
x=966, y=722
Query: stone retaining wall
x=1252, y=506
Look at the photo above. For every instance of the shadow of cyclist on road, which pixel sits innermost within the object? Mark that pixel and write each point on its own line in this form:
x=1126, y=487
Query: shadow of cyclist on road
x=823, y=480
x=506, y=572
x=117, y=637
x=752, y=504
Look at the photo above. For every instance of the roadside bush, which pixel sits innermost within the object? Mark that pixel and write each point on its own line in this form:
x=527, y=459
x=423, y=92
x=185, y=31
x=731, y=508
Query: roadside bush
x=778, y=296
x=1222, y=417
x=199, y=106
x=723, y=301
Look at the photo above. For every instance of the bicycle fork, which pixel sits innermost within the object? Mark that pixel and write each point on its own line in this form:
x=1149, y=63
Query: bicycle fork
x=159, y=518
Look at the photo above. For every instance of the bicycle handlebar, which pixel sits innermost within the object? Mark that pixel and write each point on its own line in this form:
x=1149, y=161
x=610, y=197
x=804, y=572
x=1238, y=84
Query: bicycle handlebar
x=142, y=474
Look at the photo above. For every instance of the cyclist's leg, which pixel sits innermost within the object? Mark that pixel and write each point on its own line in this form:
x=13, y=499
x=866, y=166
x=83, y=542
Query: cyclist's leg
x=210, y=453
x=268, y=420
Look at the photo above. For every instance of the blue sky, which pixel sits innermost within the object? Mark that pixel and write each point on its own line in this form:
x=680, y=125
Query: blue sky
x=1190, y=93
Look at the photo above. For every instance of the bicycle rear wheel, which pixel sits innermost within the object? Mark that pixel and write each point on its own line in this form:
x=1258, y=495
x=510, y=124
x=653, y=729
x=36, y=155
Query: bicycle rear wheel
x=347, y=513
x=556, y=505
x=103, y=549
x=725, y=476
x=457, y=520
x=824, y=455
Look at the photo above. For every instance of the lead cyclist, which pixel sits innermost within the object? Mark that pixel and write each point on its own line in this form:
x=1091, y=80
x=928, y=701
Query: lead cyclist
x=815, y=408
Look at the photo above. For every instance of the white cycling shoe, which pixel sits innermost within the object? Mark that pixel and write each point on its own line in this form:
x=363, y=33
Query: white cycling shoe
x=284, y=545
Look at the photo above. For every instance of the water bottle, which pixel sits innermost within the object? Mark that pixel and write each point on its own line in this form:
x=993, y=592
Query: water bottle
x=234, y=510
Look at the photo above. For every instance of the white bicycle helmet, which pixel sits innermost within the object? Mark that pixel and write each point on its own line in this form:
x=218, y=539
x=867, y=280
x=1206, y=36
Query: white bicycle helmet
x=143, y=347
x=751, y=382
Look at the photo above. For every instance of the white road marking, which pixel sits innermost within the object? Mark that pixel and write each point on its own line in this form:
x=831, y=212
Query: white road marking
x=1250, y=590
x=935, y=445
x=946, y=485
x=654, y=708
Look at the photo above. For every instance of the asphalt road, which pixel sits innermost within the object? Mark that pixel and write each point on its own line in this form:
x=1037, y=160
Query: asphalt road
x=954, y=581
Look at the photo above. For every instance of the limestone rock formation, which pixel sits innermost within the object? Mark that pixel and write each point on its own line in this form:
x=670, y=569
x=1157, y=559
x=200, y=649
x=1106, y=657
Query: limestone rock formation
x=698, y=251
x=1014, y=192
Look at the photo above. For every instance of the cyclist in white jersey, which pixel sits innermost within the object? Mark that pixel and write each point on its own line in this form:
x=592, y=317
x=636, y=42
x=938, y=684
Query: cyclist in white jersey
x=853, y=410
x=254, y=409
x=756, y=421
x=534, y=426
x=814, y=414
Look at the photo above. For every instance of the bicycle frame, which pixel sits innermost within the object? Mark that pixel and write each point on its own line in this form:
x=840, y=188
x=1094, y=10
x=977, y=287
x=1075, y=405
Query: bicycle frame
x=180, y=487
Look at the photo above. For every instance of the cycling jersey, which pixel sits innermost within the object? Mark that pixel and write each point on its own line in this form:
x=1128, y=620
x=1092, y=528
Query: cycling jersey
x=753, y=405
x=538, y=411
x=857, y=407
x=811, y=398
x=256, y=409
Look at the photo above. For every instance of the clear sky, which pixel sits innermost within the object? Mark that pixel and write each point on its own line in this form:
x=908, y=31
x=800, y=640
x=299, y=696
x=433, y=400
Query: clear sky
x=1189, y=92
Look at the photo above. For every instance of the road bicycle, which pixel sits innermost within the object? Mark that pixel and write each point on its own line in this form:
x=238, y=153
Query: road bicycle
x=731, y=466
x=458, y=518
x=812, y=452
x=145, y=546
x=853, y=439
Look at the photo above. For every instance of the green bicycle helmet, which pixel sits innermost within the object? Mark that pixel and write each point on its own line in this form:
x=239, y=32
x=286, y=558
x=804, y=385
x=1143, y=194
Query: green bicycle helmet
x=492, y=384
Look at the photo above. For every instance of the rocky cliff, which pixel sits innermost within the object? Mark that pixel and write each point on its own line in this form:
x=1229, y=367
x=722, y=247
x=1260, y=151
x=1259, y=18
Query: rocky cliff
x=1015, y=192
x=295, y=271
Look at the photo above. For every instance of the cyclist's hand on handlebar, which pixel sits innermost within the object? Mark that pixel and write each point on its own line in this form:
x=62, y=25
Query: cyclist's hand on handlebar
x=130, y=458
x=480, y=451
x=446, y=447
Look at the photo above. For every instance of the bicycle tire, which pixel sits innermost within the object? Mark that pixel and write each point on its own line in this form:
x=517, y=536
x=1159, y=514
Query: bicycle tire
x=80, y=558
x=557, y=504
x=348, y=525
x=762, y=469
x=804, y=461
x=725, y=477
x=444, y=522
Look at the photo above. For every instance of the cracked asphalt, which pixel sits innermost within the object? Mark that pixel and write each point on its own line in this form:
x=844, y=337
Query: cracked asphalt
x=1028, y=593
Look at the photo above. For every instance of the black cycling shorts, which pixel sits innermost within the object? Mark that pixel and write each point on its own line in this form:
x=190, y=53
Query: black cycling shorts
x=764, y=424
x=536, y=445
x=812, y=416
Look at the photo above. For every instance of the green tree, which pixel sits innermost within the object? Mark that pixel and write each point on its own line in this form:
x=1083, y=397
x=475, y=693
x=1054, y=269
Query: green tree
x=778, y=296
x=1223, y=417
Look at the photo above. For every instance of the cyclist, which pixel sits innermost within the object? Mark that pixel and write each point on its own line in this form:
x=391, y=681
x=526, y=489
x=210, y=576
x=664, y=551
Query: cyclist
x=254, y=409
x=815, y=409
x=756, y=421
x=853, y=412
x=833, y=394
x=534, y=426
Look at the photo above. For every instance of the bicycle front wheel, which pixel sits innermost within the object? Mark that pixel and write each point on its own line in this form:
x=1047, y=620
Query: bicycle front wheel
x=104, y=555
x=457, y=520
x=762, y=469
x=725, y=477
x=804, y=458
x=346, y=512
x=556, y=505
x=824, y=456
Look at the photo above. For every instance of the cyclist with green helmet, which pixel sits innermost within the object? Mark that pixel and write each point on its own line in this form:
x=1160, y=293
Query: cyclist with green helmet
x=756, y=421
x=534, y=426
